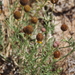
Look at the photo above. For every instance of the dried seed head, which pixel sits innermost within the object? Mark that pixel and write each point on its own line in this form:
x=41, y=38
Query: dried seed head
x=27, y=8
x=54, y=1
x=24, y=2
x=34, y=19
x=17, y=15
x=64, y=27
x=39, y=37
x=56, y=54
x=28, y=29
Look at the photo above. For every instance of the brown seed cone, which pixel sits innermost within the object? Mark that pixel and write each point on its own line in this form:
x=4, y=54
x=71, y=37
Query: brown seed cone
x=28, y=29
x=24, y=2
x=27, y=8
x=34, y=19
x=56, y=54
x=54, y=1
x=17, y=15
x=64, y=27
x=39, y=37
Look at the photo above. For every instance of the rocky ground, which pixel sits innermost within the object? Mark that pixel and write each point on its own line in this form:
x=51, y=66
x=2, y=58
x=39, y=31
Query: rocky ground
x=63, y=12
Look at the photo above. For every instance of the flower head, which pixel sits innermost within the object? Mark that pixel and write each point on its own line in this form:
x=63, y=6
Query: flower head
x=34, y=19
x=39, y=37
x=27, y=8
x=64, y=27
x=17, y=15
x=56, y=54
x=24, y=2
x=28, y=29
